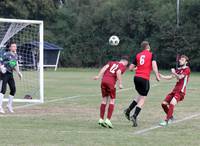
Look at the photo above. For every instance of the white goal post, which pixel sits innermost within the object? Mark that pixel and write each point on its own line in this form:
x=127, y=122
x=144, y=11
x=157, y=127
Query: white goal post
x=28, y=35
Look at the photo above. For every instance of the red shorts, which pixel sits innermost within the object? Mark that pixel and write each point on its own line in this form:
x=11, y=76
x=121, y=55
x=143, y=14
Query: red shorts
x=179, y=96
x=108, y=90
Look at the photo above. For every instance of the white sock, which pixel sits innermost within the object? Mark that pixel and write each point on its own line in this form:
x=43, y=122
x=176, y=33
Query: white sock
x=1, y=99
x=10, y=100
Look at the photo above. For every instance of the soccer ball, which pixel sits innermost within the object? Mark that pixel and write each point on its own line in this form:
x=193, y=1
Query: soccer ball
x=28, y=97
x=114, y=40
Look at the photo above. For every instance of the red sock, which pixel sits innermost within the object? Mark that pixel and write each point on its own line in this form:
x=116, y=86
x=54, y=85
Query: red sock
x=102, y=110
x=110, y=111
x=170, y=112
x=165, y=108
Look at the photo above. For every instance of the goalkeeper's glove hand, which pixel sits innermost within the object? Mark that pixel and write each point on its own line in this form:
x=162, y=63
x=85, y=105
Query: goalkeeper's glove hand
x=3, y=69
x=20, y=75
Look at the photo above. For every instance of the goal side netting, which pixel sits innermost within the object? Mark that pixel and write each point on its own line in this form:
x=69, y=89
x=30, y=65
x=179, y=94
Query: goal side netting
x=28, y=35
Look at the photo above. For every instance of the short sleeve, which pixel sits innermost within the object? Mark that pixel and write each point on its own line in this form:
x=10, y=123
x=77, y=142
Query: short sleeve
x=186, y=72
x=153, y=57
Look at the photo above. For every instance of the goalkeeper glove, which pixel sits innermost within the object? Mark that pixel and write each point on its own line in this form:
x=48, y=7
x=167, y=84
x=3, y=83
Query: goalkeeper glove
x=3, y=69
x=20, y=75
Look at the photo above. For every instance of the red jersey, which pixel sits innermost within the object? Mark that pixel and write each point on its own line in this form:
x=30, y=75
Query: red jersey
x=110, y=75
x=143, y=61
x=182, y=83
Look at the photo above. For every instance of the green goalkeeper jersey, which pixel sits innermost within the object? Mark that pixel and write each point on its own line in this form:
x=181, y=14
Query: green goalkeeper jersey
x=9, y=60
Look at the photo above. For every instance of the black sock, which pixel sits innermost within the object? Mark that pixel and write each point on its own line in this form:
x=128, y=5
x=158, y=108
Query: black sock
x=131, y=106
x=137, y=111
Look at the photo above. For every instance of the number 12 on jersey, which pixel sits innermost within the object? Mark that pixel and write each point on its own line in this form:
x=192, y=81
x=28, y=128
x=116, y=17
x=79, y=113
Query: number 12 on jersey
x=113, y=68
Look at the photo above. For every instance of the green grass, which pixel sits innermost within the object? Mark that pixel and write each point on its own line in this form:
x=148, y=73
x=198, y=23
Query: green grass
x=73, y=121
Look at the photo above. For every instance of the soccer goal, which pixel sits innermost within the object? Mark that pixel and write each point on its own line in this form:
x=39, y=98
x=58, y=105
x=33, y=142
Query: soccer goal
x=28, y=35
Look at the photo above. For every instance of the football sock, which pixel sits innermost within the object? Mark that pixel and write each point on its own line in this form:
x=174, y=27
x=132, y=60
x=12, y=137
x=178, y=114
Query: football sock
x=137, y=111
x=1, y=99
x=170, y=112
x=10, y=101
x=131, y=106
x=110, y=111
x=102, y=110
x=165, y=108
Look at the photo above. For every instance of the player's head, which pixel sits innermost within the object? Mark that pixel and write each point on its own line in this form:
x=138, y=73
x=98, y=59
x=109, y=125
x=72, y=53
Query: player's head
x=124, y=60
x=145, y=45
x=183, y=60
x=12, y=46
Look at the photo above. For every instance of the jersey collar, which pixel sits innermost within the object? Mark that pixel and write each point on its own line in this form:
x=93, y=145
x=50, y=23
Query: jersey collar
x=184, y=67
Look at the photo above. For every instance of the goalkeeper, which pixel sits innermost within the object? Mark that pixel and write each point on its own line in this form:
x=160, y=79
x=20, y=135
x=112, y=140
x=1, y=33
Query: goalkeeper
x=9, y=63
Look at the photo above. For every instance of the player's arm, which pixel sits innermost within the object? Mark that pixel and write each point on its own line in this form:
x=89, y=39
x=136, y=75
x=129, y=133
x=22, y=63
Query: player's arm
x=119, y=78
x=101, y=72
x=167, y=77
x=2, y=67
x=133, y=65
x=155, y=69
x=18, y=71
x=178, y=76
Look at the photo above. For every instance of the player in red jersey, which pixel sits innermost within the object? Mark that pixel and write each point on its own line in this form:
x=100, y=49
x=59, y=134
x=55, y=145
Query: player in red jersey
x=110, y=73
x=143, y=64
x=182, y=75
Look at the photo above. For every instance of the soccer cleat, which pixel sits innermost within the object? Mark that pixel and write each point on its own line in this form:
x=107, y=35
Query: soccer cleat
x=163, y=123
x=108, y=123
x=166, y=122
x=171, y=120
x=134, y=120
x=10, y=109
x=127, y=114
x=101, y=123
x=2, y=111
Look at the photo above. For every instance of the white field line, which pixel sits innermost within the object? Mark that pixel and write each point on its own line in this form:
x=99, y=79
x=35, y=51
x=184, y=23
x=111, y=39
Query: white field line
x=26, y=105
x=143, y=131
x=71, y=97
x=54, y=100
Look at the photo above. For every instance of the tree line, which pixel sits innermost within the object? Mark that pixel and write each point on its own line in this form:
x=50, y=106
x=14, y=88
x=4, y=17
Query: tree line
x=83, y=27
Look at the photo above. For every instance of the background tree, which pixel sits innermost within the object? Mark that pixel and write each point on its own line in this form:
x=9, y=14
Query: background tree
x=83, y=27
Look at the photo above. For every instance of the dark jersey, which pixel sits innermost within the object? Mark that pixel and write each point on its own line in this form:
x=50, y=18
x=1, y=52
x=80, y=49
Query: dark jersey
x=143, y=61
x=9, y=60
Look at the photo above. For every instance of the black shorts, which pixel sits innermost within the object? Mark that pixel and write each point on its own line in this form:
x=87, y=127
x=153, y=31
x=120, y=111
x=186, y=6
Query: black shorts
x=142, y=86
x=8, y=78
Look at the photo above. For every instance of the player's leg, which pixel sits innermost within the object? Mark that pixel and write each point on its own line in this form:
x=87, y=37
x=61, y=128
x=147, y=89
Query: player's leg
x=174, y=100
x=131, y=107
x=110, y=112
x=135, y=100
x=103, y=107
x=112, y=94
x=4, y=81
x=11, y=83
x=138, y=109
x=142, y=87
x=177, y=97
x=103, y=103
x=171, y=108
x=166, y=102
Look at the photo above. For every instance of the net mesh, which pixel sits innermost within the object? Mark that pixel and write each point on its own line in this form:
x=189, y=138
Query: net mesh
x=26, y=36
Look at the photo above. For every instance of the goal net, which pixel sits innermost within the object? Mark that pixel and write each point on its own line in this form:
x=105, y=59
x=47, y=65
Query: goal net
x=28, y=35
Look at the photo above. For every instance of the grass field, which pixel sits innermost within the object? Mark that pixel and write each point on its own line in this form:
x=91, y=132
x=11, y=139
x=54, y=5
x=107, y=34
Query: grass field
x=71, y=110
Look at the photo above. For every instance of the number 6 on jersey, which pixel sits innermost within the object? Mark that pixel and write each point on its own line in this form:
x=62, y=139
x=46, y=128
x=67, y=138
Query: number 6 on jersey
x=142, y=61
